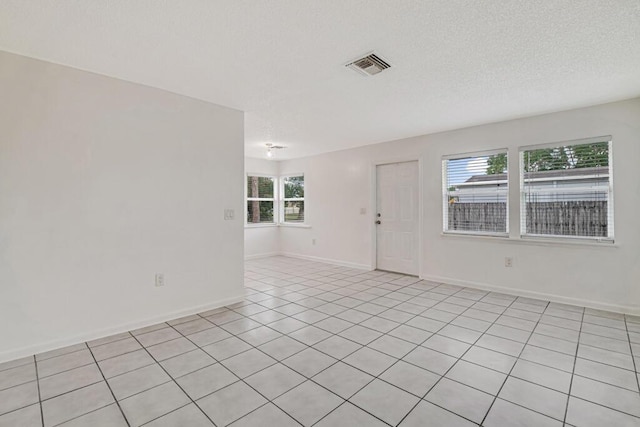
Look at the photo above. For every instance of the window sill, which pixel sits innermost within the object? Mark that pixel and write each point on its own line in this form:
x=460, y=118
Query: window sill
x=276, y=225
x=294, y=225
x=566, y=241
x=534, y=240
x=474, y=234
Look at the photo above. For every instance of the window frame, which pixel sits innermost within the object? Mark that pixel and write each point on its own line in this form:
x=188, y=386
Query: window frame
x=610, y=238
x=445, y=193
x=274, y=200
x=282, y=200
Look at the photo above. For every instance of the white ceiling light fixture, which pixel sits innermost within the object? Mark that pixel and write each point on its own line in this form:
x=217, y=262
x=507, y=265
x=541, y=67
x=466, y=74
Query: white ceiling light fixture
x=369, y=65
x=271, y=148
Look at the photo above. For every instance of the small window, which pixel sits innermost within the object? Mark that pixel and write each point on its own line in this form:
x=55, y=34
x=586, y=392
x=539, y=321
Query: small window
x=476, y=193
x=293, y=199
x=260, y=199
x=566, y=190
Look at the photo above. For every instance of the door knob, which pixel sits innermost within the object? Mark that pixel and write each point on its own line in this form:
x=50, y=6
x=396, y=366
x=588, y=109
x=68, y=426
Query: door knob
x=378, y=222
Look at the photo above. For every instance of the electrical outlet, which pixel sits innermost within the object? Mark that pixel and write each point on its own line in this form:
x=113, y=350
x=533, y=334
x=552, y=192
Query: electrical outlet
x=229, y=214
x=363, y=211
x=508, y=262
x=313, y=241
x=159, y=279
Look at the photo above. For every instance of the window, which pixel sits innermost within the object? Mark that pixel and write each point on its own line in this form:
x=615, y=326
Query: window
x=260, y=199
x=275, y=201
x=566, y=190
x=476, y=193
x=292, y=207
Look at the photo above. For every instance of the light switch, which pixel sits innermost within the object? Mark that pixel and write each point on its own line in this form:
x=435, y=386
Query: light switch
x=229, y=214
x=363, y=211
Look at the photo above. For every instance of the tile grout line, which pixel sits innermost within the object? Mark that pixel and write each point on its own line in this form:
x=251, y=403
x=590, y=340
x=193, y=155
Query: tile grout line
x=427, y=308
x=299, y=373
x=573, y=373
x=446, y=324
x=304, y=376
x=102, y=407
x=454, y=364
x=548, y=388
x=171, y=411
x=35, y=362
x=401, y=359
x=87, y=413
x=80, y=388
x=377, y=377
x=511, y=370
x=171, y=379
x=567, y=394
x=17, y=366
x=239, y=379
x=633, y=359
x=65, y=371
x=374, y=377
x=547, y=303
x=508, y=374
x=109, y=386
x=268, y=400
x=501, y=337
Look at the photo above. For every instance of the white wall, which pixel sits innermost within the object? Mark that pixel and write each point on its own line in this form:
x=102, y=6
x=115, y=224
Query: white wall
x=261, y=240
x=104, y=183
x=338, y=184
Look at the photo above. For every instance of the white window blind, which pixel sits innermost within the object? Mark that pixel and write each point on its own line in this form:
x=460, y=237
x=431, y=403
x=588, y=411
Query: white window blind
x=476, y=193
x=292, y=207
x=566, y=190
x=260, y=199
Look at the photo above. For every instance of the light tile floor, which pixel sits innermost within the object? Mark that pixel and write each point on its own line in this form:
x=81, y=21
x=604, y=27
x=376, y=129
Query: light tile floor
x=316, y=344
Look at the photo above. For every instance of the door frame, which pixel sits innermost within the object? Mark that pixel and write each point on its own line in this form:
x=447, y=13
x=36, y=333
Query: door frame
x=373, y=172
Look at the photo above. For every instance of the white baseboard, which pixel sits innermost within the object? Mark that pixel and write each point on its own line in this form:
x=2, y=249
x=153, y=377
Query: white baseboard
x=101, y=333
x=329, y=261
x=626, y=309
x=263, y=255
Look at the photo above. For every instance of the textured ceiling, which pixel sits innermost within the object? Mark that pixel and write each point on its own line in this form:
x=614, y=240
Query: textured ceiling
x=456, y=63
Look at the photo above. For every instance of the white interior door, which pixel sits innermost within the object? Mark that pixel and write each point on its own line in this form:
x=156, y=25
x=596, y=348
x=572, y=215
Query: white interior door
x=397, y=217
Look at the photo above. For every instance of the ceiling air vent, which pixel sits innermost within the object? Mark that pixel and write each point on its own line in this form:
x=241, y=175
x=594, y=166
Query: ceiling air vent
x=369, y=65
